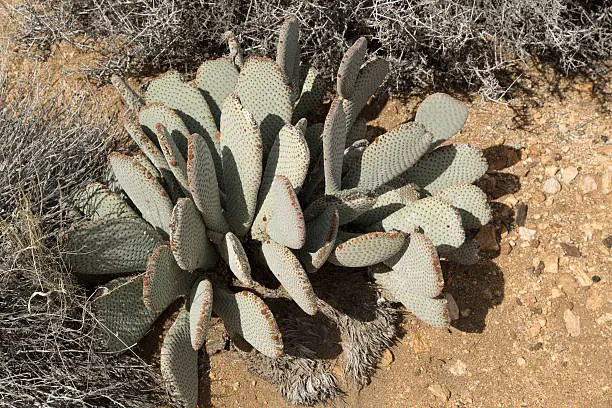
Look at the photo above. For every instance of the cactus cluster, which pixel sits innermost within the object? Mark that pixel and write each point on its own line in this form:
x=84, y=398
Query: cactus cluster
x=233, y=181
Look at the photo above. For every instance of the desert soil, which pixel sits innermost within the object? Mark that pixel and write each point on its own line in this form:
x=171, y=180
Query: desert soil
x=535, y=314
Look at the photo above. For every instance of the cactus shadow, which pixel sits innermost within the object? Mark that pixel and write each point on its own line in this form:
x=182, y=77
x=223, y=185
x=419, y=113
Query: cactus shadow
x=496, y=185
x=476, y=289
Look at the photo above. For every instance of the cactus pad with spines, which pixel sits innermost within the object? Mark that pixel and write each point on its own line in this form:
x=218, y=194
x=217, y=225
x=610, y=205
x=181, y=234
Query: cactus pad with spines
x=240, y=187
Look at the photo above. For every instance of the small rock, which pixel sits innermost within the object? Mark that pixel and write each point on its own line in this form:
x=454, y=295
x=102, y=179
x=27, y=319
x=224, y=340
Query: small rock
x=487, y=238
x=588, y=184
x=534, y=328
x=550, y=171
x=570, y=250
x=235, y=386
x=521, y=361
x=607, y=241
x=568, y=174
x=387, y=358
x=459, y=368
x=527, y=234
x=556, y=293
x=419, y=346
x=572, y=323
x=583, y=279
x=596, y=278
x=521, y=213
x=551, y=186
x=550, y=200
x=551, y=264
x=537, y=270
x=567, y=281
x=453, y=309
x=440, y=391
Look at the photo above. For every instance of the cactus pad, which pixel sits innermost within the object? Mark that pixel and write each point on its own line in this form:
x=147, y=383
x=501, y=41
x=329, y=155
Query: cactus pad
x=121, y=313
x=471, y=203
x=179, y=361
x=153, y=113
x=242, y=153
x=144, y=190
x=442, y=116
x=288, y=54
x=313, y=91
x=200, y=310
x=262, y=89
x=367, y=249
x=285, y=223
x=352, y=60
x=176, y=161
x=163, y=280
x=232, y=251
x=110, y=247
x=370, y=77
x=188, y=239
x=350, y=204
x=334, y=136
x=216, y=79
x=321, y=233
x=447, y=166
x=290, y=273
x=202, y=184
x=131, y=98
x=97, y=201
x=246, y=315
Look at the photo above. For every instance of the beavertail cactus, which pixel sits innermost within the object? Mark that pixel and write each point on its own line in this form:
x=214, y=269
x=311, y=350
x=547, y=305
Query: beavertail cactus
x=232, y=176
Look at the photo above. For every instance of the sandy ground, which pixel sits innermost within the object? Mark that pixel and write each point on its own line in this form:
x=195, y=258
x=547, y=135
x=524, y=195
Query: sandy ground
x=535, y=313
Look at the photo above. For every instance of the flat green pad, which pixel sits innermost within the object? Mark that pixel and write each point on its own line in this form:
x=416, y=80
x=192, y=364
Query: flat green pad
x=242, y=153
x=466, y=254
x=285, y=224
x=289, y=157
x=391, y=154
x=174, y=158
x=447, y=166
x=348, y=71
x=367, y=249
x=122, y=314
x=97, y=201
x=200, y=310
x=188, y=240
x=432, y=311
x=143, y=189
x=216, y=79
x=163, y=280
x=390, y=200
x=313, y=136
x=153, y=113
x=442, y=115
x=202, y=184
x=187, y=100
x=263, y=91
x=313, y=91
x=246, y=315
x=179, y=361
x=290, y=273
x=334, y=137
x=418, y=267
x=471, y=202
x=131, y=98
x=350, y=204
x=288, y=53
x=357, y=132
x=370, y=77
x=438, y=220
x=233, y=253
x=321, y=233
x=111, y=246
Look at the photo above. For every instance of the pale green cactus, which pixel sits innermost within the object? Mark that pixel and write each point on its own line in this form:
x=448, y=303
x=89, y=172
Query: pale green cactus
x=232, y=172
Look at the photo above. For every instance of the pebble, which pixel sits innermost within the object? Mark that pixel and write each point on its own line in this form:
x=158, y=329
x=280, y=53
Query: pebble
x=534, y=329
x=235, y=386
x=568, y=174
x=556, y=293
x=550, y=171
x=567, y=281
x=583, y=279
x=453, y=309
x=551, y=186
x=440, y=391
x=521, y=361
x=572, y=323
x=570, y=250
x=551, y=264
x=458, y=369
x=527, y=234
x=588, y=184
x=538, y=197
x=604, y=319
x=607, y=241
